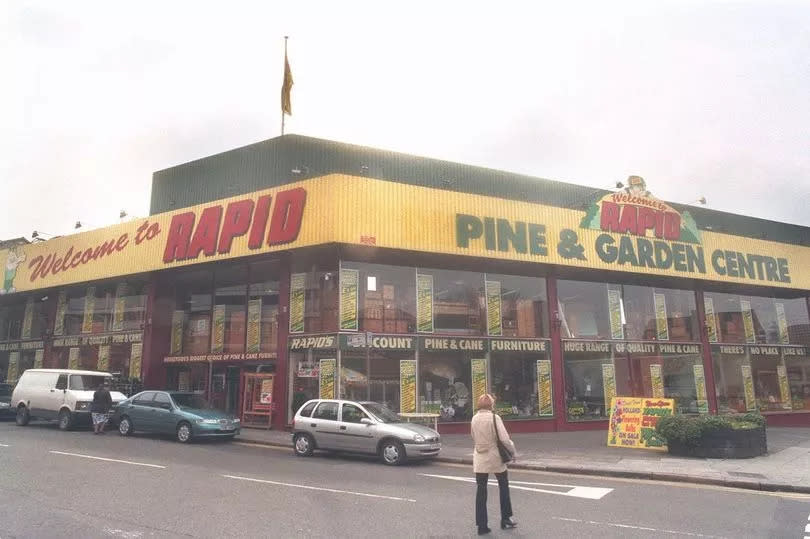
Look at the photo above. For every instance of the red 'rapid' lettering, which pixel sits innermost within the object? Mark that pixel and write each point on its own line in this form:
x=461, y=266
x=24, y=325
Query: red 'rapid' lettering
x=610, y=216
x=236, y=223
x=205, y=236
x=287, y=216
x=178, y=237
x=260, y=217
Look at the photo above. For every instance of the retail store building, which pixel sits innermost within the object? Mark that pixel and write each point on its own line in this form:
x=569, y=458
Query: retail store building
x=299, y=267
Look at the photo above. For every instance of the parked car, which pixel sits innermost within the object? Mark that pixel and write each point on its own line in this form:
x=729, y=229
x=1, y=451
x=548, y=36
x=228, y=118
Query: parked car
x=185, y=415
x=61, y=394
x=6, y=410
x=361, y=427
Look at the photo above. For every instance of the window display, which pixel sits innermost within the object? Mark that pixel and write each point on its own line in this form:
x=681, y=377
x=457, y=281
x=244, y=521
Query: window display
x=797, y=368
x=191, y=320
x=514, y=383
x=230, y=310
x=304, y=371
x=445, y=385
x=386, y=297
x=734, y=383
x=262, y=335
x=593, y=375
x=458, y=301
x=522, y=305
x=759, y=320
x=319, y=297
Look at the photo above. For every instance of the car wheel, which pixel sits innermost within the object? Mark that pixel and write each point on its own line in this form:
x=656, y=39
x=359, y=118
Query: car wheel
x=23, y=417
x=65, y=420
x=184, y=432
x=392, y=452
x=303, y=445
x=125, y=426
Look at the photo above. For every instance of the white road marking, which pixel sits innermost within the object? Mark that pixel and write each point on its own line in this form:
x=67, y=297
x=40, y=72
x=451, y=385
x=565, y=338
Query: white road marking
x=108, y=460
x=323, y=489
x=642, y=528
x=122, y=533
x=3, y=445
x=589, y=493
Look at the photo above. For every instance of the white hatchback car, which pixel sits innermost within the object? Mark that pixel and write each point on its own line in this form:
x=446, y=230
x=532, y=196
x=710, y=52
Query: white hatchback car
x=61, y=394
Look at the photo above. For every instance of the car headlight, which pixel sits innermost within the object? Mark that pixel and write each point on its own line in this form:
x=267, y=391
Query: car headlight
x=82, y=405
x=208, y=421
x=418, y=438
x=237, y=420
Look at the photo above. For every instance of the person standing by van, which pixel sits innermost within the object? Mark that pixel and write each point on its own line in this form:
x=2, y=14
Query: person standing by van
x=486, y=428
x=100, y=408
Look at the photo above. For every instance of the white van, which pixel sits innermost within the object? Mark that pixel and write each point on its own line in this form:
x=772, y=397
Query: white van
x=61, y=394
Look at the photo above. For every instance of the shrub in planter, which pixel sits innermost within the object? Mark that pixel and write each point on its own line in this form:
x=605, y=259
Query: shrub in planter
x=714, y=436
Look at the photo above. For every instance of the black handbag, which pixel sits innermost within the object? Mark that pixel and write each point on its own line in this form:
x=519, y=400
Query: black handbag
x=506, y=453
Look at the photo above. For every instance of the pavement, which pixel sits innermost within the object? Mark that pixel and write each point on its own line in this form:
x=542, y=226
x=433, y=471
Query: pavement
x=786, y=467
x=73, y=485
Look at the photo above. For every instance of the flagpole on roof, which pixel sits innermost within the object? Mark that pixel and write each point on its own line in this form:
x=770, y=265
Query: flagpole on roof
x=285, y=88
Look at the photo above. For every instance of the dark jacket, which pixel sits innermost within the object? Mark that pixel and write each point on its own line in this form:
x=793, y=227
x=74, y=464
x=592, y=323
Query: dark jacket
x=102, y=401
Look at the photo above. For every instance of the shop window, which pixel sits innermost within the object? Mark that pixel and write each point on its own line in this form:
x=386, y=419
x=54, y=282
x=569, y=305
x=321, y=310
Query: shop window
x=758, y=320
x=384, y=377
x=4, y=361
x=13, y=364
x=458, y=301
x=798, y=373
x=264, y=295
x=129, y=305
x=386, y=297
x=732, y=372
x=515, y=386
x=103, y=307
x=304, y=380
x=589, y=376
x=354, y=377
x=230, y=310
x=191, y=320
x=74, y=310
x=523, y=305
x=190, y=378
x=11, y=320
x=319, y=295
x=666, y=375
x=445, y=385
x=584, y=309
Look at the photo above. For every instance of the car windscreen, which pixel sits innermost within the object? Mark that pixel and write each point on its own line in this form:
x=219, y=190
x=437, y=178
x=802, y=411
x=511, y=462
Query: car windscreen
x=190, y=401
x=86, y=382
x=382, y=413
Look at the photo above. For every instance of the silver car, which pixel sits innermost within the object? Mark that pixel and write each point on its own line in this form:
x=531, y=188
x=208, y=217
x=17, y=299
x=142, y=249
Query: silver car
x=361, y=427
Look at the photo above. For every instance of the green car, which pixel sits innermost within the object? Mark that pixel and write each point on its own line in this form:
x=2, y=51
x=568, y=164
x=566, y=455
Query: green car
x=184, y=415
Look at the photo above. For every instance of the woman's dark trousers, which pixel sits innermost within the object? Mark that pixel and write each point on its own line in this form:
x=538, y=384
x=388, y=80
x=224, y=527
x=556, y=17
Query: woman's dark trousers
x=481, y=497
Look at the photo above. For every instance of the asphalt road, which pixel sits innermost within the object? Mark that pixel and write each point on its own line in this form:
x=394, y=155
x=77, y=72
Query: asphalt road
x=154, y=487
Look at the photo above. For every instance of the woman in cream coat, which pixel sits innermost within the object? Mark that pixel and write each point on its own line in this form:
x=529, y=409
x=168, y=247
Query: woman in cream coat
x=487, y=460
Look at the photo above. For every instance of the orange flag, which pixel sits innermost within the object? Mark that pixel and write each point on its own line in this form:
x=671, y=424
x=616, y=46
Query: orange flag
x=286, y=105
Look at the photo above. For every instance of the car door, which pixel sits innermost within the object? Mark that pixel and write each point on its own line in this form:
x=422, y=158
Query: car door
x=352, y=434
x=140, y=411
x=162, y=413
x=324, y=425
x=52, y=397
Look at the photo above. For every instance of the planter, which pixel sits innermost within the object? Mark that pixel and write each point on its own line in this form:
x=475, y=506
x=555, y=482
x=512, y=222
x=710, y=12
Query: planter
x=724, y=444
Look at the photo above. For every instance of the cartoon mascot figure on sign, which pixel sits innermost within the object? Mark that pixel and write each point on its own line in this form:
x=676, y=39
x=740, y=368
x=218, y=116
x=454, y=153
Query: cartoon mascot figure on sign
x=637, y=187
x=15, y=257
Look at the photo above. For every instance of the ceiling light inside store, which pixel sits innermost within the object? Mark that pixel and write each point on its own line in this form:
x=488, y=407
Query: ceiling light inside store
x=371, y=285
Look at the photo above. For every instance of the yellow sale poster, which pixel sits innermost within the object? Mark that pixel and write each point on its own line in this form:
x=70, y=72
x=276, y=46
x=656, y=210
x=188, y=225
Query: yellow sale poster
x=297, y=301
x=218, y=334
x=103, y=358
x=657, y=380
x=407, y=386
x=135, y=360
x=781, y=322
x=479, y=379
x=700, y=388
x=120, y=306
x=28, y=319
x=39, y=356
x=494, y=319
x=633, y=420
x=61, y=311
x=608, y=382
x=424, y=303
x=748, y=321
x=13, y=366
x=326, y=379
x=73, y=358
x=178, y=318
x=615, y=308
x=254, y=326
x=89, y=308
x=784, y=387
x=661, y=326
x=711, y=318
x=349, y=282
x=748, y=387
x=545, y=403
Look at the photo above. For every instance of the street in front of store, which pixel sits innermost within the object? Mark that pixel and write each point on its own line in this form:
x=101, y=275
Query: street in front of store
x=147, y=486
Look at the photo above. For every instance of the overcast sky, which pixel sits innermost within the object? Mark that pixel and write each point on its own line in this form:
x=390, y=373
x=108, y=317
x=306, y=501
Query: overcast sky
x=701, y=98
